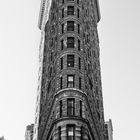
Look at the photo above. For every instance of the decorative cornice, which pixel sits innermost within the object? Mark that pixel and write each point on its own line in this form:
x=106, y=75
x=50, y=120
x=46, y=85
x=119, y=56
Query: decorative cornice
x=98, y=10
x=44, y=13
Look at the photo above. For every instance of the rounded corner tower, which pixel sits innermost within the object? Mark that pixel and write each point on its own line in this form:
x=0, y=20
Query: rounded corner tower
x=69, y=101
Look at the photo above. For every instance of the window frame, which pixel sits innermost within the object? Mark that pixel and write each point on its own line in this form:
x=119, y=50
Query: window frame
x=70, y=26
x=70, y=60
x=70, y=84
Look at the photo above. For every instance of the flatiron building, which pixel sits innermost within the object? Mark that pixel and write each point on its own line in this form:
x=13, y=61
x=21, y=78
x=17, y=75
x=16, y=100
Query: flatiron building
x=69, y=102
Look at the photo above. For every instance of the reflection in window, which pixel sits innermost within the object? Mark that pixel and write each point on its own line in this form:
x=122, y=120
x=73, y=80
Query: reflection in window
x=70, y=132
x=70, y=60
x=70, y=81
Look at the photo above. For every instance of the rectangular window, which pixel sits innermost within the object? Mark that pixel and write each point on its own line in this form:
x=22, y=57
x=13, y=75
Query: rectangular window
x=59, y=133
x=62, y=28
x=63, y=13
x=70, y=107
x=63, y=1
x=79, y=63
x=70, y=25
x=78, y=45
x=80, y=108
x=78, y=29
x=78, y=13
x=70, y=10
x=70, y=81
x=61, y=108
x=70, y=60
x=62, y=44
x=79, y=82
x=61, y=82
x=70, y=42
x=61, y=63
x=70, y=132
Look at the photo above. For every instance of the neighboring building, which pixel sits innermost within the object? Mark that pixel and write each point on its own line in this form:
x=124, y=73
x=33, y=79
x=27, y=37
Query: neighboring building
x=2, y=138
x=108, y=130
x=29, y=132
x=69, y=102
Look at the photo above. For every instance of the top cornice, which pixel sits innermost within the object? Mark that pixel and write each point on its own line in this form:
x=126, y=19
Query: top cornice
x=44, y=13
x=45, y=8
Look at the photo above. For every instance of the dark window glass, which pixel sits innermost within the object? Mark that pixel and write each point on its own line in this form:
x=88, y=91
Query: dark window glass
x=79, y=63
x=78, y=29
x=59, y=133
x=70, y=10
x=70, y=60
x=78, y=45
x=79, y=82
x=63, y=1
x=70, y=107
x=80, y=108
x=63, y=13
x=70, y=81
x=77, y=1
x=70, y=42
x=78, y=13
x=62, y=44
x=61, y=108
x=61, y=82
x=70, y=25
x=61, y=63
x=70, y=132
x=62, y=28
x=70, y=0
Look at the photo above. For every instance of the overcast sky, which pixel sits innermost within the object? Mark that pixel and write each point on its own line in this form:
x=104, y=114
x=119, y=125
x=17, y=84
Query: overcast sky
x=119, y=33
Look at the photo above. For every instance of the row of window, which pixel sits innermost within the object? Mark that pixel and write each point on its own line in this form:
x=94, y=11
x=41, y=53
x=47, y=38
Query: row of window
x=63, y=1
x=70, y=43
x=71, y=133
x=70, y=61
x=70, y=82
x=70, y=11
x=71, y=107
x=70, y=27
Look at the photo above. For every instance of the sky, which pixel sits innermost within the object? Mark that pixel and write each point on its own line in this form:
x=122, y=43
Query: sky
x=119, y=34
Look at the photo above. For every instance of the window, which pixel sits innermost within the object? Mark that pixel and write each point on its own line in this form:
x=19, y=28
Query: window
x=61, y=63
x=61, y=108
x=63, y=13
x=70, y=60
x=70, y=132
x=59, y=133
x=70, y=25
x=70, y=10
x=80, y=108
x=70, y=0
x=79, y=62
x=79, y=82
x=61, y=82
x=62, y=44
x=78, y=45
x=63, y=1
x=70, y=81
x=70, y=107
x=70, y=42
x=78, y=29
x=78, y=13
x=62, y=28
x=77, y=1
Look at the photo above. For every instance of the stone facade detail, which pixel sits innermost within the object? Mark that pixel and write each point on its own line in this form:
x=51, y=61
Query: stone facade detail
x=69, y=101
